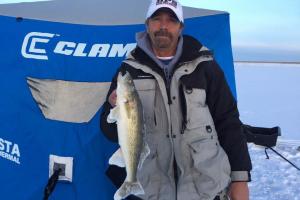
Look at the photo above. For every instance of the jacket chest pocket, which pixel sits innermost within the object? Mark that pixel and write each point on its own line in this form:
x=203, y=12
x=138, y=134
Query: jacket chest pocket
x=197, y=111
x=146, y=90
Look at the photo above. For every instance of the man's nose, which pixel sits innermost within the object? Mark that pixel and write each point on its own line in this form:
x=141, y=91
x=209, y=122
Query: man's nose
x=164, y=24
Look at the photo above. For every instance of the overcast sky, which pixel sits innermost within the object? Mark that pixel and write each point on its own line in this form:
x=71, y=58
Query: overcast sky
x=18, y=1
x=261, y=30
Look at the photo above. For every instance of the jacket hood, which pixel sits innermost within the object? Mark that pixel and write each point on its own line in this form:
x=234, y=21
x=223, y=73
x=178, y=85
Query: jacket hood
x=143, y=42
x=191, y=49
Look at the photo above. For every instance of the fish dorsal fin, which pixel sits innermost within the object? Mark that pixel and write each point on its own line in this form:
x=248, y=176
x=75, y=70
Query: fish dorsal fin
x=117, y=159
x=113, y=115
x=144, y=154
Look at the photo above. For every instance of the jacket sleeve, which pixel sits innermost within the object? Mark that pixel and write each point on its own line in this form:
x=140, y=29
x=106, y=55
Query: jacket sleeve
x=225, y=113
x=109, y=129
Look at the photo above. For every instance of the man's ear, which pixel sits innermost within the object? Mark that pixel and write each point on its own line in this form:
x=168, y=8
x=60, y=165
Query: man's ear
x=146, y=25
x=182, y=25
x=181, y=28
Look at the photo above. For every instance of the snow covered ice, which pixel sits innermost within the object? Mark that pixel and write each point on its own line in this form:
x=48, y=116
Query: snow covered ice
x=274, y=178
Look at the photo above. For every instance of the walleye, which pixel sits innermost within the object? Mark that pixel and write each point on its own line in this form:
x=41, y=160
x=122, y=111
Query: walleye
x=128, y=113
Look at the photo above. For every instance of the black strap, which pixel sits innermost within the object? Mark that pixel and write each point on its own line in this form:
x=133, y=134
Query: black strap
x=51, y=183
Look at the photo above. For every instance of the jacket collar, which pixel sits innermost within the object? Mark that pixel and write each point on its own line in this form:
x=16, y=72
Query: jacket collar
x=143, y=42
x=191, y=49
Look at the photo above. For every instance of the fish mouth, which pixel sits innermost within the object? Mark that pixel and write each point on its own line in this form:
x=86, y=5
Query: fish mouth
x=123, y=74
x=124, y=78
x=119, y=76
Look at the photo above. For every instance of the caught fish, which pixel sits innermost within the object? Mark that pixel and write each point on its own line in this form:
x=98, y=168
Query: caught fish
x=128, y=114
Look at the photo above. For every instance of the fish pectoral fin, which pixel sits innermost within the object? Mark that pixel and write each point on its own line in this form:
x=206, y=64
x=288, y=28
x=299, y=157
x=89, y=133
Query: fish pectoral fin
x=128, y=188
x=117, y=159
x=144, y=154
x=113, y=115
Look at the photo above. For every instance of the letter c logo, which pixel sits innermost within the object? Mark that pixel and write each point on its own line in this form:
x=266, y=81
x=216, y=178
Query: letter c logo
x=29, y=49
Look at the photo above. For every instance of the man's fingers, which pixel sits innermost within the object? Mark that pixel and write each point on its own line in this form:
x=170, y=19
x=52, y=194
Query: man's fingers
x=112, y=99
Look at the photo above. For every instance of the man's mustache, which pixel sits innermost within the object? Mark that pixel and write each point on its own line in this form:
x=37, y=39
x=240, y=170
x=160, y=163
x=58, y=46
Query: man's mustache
x=162, y=33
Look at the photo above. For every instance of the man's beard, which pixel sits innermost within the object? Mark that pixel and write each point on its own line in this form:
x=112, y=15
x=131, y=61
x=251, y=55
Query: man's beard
x=163, y=42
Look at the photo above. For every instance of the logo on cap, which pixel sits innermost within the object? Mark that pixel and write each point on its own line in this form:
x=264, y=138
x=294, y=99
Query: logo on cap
x=169, y=2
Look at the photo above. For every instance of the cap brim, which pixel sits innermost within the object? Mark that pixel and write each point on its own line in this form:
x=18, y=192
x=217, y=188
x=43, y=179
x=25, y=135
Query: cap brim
x=150, y=14
x=165, y=9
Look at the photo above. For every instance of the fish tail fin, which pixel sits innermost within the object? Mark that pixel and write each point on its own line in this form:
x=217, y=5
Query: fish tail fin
x=127, y=189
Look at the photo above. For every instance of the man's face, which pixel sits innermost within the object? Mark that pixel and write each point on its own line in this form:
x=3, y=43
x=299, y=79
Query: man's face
x=164, y=30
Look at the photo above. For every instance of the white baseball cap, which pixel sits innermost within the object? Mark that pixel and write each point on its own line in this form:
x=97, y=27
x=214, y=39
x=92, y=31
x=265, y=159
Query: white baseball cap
x=174, y=5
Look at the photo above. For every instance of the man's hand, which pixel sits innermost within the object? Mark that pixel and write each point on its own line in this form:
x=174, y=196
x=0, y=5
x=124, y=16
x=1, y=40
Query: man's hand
x=112, y=99
x=238, y=191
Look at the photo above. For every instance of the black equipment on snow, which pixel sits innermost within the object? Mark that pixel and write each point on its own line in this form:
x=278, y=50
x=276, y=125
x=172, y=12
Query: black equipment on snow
x=266, y=137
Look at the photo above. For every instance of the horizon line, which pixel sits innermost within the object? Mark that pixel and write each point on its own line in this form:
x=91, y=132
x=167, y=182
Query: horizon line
x=267, y=62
